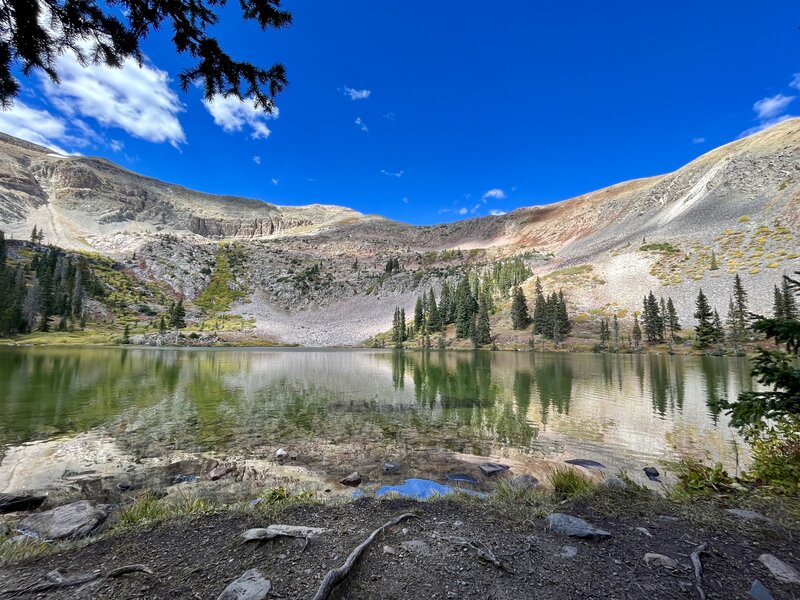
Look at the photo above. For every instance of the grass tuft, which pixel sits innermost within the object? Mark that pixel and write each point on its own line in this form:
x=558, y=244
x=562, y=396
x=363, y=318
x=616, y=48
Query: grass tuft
x=569, y=484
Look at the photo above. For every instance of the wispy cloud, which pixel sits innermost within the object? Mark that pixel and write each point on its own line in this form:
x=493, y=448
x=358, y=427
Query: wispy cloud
x=361, y=125
x=795, y=82
x=234, y=115
x=257, y=160
x=405, y=199
x=495, y=193
x=356, y=94
x=772, y=106
x=699, y=140
x=392, y=173
x=135, y=98
x=496, y=213
x=275, y=181
x=37, y=126
x=770, y=111
x=389, y=115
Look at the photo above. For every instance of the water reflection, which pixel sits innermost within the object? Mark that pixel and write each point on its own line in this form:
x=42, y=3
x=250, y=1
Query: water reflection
x=618, y=408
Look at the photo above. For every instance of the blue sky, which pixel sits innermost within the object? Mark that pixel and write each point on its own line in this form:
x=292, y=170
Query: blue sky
x=434, y=111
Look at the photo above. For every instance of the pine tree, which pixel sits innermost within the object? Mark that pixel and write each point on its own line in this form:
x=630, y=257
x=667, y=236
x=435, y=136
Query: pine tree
x=564, y=324
x=434, y=319
x=483, y=334
x=714, y=266
x=740, y=304
x=403, y=330
x=34, y=235
x=637, y=332
x=520, y=318
x=616, y=334
x=419, y=315
x=445, y=306
x=177, y=317
x=719, y=330
x=651, y=317
x=778, y=308
x=663, y=308
x=673, y=324
x=126, y=334
x=705, y=332
x=790, y=312
x=3, y=251
x=162, y=326
x=465, y=308
x=539, y=309
x=735, y=331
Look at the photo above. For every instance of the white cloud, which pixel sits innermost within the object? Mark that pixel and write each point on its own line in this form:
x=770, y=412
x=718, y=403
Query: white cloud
x=34, y=125
x=795, y=82
x=392, y=173
x=233, y=115
x=495, y=193
x=257, y=159
x=699, y=140
x=405, y=199
x=116, y=145
x=496, y=213
x=771, y=107
x=275, y=181
x=361, y=125
x=389, y=115
x=134, y=98
x=462, y=211
x=356, y=94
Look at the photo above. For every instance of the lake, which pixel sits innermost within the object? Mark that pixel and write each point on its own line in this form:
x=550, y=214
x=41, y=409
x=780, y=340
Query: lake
x=105, y=414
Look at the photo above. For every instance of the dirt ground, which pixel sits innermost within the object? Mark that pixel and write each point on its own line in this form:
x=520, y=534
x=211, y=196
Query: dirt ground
x=423, y=557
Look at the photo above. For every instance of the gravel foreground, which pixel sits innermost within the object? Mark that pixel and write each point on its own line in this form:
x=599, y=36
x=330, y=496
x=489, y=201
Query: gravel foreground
x=441, y=553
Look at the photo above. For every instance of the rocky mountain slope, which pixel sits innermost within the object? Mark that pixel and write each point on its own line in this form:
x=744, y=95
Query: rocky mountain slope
x=315, y=275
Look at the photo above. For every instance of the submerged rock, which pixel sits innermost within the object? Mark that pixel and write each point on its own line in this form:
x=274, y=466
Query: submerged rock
x=463, y=477
x=781, y=571
x=576, y=527
x=19, y=502
x=70, y=521
x=252, y=585
x=586, y=463
x=352, y=480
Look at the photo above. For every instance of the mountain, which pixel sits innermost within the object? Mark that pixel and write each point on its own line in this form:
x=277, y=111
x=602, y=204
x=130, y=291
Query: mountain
x=316, y=274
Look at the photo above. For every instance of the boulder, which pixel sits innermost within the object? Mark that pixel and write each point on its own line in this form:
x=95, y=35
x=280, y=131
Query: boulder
x=390, y=467
x=652, y=473
x=660, y=560
x=70, y=521
x=281, y=454
x=575, y=527
x=758, y=591
x=780, y=570
x=524, y=482
x=644, y=531
x=352, y=480
x=252, y=585
x=614, y=482
x=222, y=470
x=19, y=502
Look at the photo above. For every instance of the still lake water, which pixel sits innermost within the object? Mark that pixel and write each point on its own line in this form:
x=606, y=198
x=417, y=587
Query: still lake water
x=625, y=411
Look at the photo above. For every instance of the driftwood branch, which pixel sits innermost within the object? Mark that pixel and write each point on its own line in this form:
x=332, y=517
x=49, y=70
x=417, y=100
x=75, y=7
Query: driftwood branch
x=273, y=531
x=698, y=569
x=57, y=581
x=337, y=575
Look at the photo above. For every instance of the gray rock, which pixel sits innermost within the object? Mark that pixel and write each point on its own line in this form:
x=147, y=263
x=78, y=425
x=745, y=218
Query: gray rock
x=644, y=531
x=463, y=477
x=586, y=463
x=184, y=479
x=352, y=480
x=252, y=585
x=491, y=469
x=758, y=591
x=524, y=482
x=19, y=502
x=780, y=570
x=70, y=521
x=660, y=560
x=222, y=470
x=389, y=550
x=416, y=547
x=575, y=527
x=390, y=467
x=281, y=454
x=569, y=552
x=614, y=482
x=652, y=473
x=748, y=515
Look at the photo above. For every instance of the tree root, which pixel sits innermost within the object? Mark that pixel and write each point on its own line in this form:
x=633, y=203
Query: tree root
x=483, y=552
x=58, y=581
x=337, y=575
x=698, y=569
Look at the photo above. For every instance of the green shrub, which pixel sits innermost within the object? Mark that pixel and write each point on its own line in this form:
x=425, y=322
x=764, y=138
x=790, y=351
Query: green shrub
x=696, y=479
x=776, y=457
x=665, y=247
x=570, y=483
